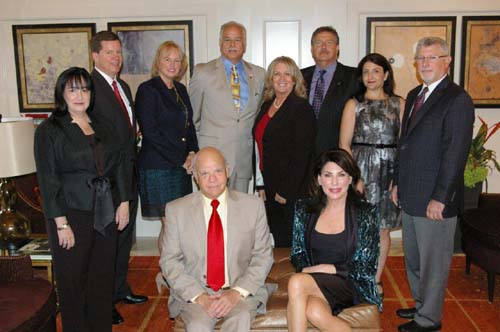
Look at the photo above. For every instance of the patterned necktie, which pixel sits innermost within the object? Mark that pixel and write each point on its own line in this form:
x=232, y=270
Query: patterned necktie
x=122, y=104
x=418, y=103
x=215, y=250
x=318, y=93
x=235, y=88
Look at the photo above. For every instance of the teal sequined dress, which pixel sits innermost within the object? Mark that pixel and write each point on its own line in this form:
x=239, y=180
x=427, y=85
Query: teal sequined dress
x=361, y=267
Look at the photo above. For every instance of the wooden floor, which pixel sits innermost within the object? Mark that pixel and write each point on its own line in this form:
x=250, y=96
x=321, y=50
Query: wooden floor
x=466, y=306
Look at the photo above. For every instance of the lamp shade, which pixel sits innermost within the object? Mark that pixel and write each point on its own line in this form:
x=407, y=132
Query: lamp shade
x=16, y=147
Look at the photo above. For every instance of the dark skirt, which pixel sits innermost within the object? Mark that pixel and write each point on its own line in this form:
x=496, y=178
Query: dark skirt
x=157, y=187
x=339, y=292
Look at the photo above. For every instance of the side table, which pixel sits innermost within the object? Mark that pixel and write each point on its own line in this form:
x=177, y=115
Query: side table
x=39, y=252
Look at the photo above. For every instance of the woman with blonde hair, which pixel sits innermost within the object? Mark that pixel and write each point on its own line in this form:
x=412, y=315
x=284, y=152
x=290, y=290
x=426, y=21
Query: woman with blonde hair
x=284, y=132
x=169, y=140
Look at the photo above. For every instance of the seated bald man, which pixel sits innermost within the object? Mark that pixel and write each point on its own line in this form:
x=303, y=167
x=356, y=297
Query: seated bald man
x=216, y=251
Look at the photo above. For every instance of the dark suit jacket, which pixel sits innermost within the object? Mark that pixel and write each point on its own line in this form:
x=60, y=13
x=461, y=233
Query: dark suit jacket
x=343, y=86
x=107, y=109
x=433, y=150
x=65, y=164
x=166, y=139
x=288, y=147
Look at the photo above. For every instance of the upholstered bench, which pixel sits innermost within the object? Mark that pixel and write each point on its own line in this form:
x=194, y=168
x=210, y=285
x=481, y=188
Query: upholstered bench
x=27, y=304
x=363, y=317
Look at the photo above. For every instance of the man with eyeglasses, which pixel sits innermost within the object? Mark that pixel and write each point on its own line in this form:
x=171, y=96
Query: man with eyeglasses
x=226, y=94
x=329, y=85
x=435, y=140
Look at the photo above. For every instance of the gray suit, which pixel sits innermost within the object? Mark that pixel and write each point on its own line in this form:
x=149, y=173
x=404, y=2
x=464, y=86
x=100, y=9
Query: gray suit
x=219, y=124
x=184, y=245
x=432, y=152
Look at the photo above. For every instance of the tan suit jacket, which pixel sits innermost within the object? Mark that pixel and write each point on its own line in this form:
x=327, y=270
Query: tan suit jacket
x=184, y=245
x=216, y=120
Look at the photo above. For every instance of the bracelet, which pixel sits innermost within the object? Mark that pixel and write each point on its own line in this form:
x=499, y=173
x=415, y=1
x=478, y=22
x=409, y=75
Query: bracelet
x=63, y=227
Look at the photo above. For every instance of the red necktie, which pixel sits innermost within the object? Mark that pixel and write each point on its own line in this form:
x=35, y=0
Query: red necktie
x=122, y=104
x=215, y=250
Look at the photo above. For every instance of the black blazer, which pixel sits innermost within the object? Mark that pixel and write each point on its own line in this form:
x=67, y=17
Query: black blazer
x=107, y=109
x=288, y=147
x=65, y=164
x=433, y=150
x=166, y=140
x=343, y=86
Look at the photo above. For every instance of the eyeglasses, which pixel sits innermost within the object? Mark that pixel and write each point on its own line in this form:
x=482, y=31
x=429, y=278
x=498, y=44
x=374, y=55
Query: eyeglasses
x=433, y=58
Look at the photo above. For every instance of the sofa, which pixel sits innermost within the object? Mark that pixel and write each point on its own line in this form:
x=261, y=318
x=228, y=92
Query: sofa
x=362, y=318
x=27, y=304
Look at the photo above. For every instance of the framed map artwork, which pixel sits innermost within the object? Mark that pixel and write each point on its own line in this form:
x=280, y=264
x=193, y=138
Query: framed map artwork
x=480, y=68
x=42, y=52
x=396, y=38
x=140, y=41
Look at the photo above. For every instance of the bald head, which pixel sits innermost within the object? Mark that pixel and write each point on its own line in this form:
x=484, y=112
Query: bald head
x=210, y=172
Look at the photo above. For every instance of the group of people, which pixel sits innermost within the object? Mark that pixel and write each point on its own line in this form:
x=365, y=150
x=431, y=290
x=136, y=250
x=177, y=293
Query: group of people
x=335, y=154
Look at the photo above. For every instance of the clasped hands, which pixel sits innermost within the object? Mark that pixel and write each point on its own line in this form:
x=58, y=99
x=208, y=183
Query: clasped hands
x=220, y=304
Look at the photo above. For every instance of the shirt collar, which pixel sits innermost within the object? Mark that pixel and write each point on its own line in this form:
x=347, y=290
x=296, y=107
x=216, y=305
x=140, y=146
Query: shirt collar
x=228, y=64
x=329, y=69
x=433, y=85
x=106, y=76
x=222, y=199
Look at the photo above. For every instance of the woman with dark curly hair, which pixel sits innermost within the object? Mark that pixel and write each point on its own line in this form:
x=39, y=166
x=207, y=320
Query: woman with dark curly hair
x=335, y=248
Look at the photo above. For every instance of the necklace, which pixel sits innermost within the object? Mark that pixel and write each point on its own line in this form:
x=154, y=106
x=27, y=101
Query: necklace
x=278, y=105
x=185, y=109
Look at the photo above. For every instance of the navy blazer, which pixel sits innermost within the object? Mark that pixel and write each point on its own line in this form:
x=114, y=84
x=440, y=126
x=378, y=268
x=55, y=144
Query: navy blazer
x=343, y=86
x=288, y=147
x=65, y=165
x=433, y=150
x=167, y=138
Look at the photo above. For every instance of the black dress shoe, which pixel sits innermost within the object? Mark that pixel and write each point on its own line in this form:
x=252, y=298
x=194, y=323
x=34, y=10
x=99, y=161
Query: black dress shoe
x=134, y=299
x=413, y=326
x=407, y=313
x=116, y=317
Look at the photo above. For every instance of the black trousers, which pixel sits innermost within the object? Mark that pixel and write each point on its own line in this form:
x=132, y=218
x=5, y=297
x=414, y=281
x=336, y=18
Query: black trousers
x=125, y=240
x=84, y=273
x=280, y=220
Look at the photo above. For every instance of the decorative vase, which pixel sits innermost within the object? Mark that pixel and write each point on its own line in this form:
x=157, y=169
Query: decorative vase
x=471, y=196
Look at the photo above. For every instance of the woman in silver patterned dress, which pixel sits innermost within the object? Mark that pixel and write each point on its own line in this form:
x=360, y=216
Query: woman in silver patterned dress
x=369, y=131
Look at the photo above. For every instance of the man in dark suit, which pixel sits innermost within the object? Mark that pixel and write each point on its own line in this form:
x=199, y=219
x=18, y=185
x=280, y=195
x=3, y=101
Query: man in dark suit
x=329, y=85
x=432, y=152
x=113, y=104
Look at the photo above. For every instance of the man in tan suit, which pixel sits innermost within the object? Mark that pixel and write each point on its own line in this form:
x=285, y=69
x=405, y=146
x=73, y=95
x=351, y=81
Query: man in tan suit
x=223, y=119
x=187, y=258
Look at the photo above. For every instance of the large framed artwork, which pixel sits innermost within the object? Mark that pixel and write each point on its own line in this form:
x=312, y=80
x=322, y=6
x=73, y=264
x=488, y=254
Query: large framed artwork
x=396, y=38
x=140, y=41
x=42, y=52
x=480, y=67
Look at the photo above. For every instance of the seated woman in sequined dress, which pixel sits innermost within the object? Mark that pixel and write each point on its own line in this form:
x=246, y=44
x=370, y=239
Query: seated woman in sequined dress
x=335, y=248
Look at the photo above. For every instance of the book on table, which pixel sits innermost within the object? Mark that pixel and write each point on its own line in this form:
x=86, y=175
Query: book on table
x=37, y=249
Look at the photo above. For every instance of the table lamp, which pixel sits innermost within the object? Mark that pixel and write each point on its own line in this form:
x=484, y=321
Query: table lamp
x=16, y=158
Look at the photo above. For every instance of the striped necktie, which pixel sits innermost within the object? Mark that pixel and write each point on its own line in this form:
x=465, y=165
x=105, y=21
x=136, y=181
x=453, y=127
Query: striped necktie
x=235, y=88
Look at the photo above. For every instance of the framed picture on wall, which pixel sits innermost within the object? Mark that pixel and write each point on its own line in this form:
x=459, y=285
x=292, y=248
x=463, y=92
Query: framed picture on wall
x=480, y=67
x=396, y=38
x=42, y=52
x=140, y=41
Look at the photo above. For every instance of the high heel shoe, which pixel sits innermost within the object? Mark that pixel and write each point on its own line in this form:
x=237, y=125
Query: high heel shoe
x=160, y=282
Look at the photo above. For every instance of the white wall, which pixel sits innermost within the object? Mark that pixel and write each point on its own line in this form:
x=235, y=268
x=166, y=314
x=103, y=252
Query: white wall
x=348, y=16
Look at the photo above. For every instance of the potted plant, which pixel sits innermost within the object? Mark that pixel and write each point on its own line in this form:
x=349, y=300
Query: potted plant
x=480, y=163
